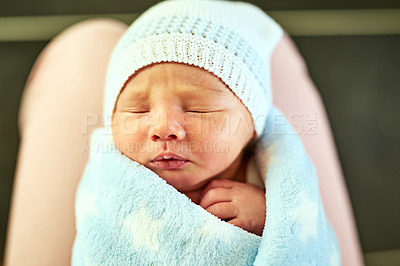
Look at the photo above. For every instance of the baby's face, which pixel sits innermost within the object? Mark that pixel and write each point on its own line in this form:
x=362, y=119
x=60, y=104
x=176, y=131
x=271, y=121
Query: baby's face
x=187, y=114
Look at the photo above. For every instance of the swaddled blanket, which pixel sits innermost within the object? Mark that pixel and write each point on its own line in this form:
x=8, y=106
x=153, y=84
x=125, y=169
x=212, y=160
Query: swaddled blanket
x=128, y=215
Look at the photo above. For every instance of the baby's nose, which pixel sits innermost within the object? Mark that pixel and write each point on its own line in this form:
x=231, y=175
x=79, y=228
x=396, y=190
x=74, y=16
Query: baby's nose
x=168, y=127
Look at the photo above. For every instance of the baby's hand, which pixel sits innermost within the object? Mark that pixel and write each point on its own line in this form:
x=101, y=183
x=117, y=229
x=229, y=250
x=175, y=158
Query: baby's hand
x=242, y=204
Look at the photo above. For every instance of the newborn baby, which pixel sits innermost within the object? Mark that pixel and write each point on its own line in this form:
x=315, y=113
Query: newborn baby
x=188, y=89
x=187, y=96
x=187, y=126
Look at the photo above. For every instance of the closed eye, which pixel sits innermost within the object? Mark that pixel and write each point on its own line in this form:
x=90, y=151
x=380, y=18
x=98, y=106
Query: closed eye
x=202, y=112
x=138, y=112
x=199, y=112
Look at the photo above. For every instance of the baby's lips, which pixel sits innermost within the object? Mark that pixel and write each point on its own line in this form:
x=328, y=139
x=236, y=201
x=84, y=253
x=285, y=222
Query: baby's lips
x=168, y=156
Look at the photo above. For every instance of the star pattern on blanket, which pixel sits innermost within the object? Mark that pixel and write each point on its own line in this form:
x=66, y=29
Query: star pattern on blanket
x=88, y=204
x=335, y=259
x=306, y=214
x=144, y=229
x=213, y=228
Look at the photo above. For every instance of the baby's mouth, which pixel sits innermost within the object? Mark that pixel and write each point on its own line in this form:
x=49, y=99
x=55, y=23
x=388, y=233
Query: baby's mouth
x=169, y=161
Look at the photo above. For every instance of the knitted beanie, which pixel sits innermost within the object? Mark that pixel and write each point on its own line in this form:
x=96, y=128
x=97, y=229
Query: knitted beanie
x=232, y=40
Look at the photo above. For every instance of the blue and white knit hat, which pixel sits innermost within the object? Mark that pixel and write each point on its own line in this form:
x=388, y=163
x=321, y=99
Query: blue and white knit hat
x=232, y=40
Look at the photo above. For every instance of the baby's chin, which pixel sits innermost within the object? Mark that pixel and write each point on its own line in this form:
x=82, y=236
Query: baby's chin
x=185, y=183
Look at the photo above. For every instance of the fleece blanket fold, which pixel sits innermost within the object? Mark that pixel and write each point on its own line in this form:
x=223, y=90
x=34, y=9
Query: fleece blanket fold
x=127, y=215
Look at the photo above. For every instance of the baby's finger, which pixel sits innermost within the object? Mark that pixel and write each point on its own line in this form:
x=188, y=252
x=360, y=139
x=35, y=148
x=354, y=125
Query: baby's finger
x=215, y=195
x=223, y=210
x=217, y=183
x=237, y=222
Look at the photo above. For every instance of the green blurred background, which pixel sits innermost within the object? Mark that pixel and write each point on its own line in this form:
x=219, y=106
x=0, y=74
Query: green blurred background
x=351, y=49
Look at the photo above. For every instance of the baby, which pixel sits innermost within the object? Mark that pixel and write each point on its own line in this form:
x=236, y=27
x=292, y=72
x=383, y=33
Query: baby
x=193, y=132
x=188, y=91
x=187, y=100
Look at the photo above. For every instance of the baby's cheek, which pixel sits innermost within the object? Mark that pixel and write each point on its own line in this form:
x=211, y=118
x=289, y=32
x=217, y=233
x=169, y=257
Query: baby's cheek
x=128, y=124
x=195, y=125
x=207, y=125
x=127, y=135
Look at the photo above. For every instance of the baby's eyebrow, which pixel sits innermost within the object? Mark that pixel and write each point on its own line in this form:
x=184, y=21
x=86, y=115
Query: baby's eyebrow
x=132, y=97
x=216, y=90
x=142, y=95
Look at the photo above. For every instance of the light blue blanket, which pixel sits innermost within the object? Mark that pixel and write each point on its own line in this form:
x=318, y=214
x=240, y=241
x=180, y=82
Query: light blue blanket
x=128, y=215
